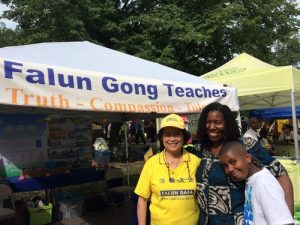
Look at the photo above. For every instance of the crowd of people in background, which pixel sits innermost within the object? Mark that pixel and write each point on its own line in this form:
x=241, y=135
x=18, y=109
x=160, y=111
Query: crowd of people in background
x=142, y=130
x=138, y=131
x=269, y=132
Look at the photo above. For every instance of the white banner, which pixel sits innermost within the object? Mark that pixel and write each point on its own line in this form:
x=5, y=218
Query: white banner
x=29, y=84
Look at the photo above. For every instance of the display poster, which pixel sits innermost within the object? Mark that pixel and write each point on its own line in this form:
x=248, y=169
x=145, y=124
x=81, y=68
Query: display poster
x=22, y=142
x=70, y=140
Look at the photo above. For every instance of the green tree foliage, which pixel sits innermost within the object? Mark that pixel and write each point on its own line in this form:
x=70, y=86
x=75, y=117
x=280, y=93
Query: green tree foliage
x=193, y=36
x=7, y=36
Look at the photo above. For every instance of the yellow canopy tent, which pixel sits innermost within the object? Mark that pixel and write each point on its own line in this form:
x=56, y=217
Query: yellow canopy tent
x=260, y=85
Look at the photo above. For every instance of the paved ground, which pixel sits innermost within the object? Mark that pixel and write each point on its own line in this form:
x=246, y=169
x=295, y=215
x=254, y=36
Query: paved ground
x=106, y=216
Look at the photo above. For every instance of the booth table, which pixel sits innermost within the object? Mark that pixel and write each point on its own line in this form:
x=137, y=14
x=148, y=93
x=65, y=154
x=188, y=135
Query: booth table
x=75, y=176
x=52, y=182
x=294, y=173
x=285, y=150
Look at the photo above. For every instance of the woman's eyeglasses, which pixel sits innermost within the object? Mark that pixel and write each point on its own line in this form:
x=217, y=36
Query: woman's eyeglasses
x=180, y=180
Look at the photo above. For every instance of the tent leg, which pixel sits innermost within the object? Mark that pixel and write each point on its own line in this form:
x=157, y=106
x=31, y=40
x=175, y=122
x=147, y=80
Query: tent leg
x=239, y=121
x=126, y=150
x=295, y=126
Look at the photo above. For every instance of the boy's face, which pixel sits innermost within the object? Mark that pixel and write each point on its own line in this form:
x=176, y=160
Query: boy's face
x=236, y=164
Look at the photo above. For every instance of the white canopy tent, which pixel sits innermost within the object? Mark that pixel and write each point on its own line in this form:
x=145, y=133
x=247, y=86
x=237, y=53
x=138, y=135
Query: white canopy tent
x=66, y=78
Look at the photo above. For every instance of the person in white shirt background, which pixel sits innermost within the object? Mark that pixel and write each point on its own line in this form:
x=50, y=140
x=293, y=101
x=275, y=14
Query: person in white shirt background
x=287, y=135
x=253, y=130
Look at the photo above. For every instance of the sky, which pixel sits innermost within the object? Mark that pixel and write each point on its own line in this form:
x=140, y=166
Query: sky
x=8, y=23
x=12, y=25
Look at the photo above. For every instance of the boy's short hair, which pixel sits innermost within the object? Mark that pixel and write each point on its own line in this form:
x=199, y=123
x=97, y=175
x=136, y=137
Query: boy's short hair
x=232, y=146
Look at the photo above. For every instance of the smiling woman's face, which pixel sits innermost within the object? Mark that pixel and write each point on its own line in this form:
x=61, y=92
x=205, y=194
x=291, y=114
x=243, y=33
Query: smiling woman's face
x=215, y=126
x=173, y=139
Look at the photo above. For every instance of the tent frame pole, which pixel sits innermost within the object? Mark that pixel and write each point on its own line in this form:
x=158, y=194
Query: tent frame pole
x=239, y=121
x=126, y=151
x=295, y=126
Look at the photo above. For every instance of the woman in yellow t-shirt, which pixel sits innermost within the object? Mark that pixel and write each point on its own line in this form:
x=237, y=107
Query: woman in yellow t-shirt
x=168, y=178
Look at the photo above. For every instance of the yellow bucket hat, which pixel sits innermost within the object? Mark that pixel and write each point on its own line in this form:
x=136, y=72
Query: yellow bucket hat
x=172, y=120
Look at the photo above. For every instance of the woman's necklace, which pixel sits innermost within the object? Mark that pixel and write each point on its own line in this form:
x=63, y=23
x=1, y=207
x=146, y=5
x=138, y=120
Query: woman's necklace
x=172, y=162
x=215, y=150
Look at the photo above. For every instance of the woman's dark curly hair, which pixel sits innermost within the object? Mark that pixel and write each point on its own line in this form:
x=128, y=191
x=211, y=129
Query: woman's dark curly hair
x=232, y=131
x=186, y=137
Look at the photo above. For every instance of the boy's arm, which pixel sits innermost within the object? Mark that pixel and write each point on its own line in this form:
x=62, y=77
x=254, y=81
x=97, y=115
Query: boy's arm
x=287, y=187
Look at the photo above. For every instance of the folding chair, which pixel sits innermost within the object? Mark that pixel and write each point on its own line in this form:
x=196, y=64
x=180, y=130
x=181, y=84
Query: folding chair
x=116, y=190
x=7, y=206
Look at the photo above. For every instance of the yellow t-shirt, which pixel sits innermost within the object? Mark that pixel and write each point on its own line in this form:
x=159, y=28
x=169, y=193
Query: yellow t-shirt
x=172, y=191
